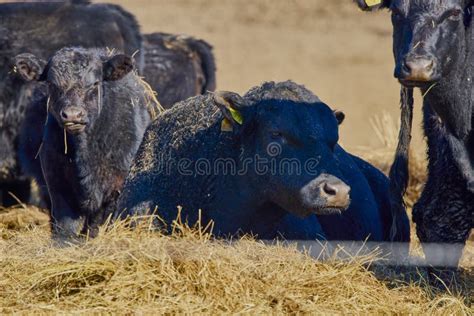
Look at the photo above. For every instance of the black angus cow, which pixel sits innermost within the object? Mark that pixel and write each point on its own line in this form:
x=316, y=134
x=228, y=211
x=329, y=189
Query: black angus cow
x=252, y=164
x=98, y=110
x=177, y=67
x=41, y=29
x=433, y=47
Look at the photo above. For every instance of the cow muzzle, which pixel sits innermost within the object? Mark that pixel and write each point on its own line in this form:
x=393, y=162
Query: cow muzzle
x=326, y=195
x=73, y=119
x=416, y=71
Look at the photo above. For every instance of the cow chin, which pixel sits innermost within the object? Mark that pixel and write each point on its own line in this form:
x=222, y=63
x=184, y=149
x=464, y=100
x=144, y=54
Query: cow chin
x=330, y=210
x=319, y=209
x=416, y=84
x=75, y=129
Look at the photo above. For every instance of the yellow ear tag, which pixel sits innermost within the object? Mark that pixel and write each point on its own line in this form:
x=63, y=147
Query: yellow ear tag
x=372, y=3
x=236, y=115
x=226, y=126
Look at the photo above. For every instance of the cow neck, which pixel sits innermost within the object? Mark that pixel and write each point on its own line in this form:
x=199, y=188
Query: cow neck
x=230, y=192
x=95, y=144
x=451, y=97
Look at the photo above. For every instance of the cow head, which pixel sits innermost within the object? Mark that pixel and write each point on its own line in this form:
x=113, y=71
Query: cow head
x=76, y=79
x=428, y=37
x=294, y=144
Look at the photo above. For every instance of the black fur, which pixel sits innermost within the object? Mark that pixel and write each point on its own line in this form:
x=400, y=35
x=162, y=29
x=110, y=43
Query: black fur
x=265, y=204
x=178, y=67
x=399, y=172
x=443, y=32
x=41, y=29
x=85, y=167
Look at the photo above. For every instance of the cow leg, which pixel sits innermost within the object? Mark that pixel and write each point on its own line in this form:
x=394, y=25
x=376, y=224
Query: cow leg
x=443, y=222
x=91, y=225
x=443, y=233
x=65, y=222
x=98, y=218
x=462, y=159
x=93, y=221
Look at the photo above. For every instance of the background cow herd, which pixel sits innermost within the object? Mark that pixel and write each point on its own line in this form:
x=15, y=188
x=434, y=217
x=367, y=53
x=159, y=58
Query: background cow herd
x=79, y=116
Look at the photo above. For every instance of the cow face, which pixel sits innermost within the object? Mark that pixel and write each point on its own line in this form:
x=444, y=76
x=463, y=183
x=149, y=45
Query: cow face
x=428, y=37
x=76, y=80
x=289, y=148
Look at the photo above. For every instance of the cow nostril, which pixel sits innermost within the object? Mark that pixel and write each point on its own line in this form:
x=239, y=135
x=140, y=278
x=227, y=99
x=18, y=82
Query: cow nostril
x=329, y=189
x=64, y=115
x=430, y=66
x=406, y=68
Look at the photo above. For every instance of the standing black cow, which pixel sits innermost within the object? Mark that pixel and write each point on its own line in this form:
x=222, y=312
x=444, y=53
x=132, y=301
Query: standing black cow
x=41, y=29
x=433, y=47
x=98, y=112
x=178, y=67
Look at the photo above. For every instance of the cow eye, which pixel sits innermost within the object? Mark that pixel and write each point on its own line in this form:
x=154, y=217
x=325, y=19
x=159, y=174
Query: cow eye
x=96, y=84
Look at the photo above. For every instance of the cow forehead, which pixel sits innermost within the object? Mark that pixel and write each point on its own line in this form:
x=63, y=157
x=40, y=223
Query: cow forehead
x=69, y=67
x=311, y=119
x=425, y=5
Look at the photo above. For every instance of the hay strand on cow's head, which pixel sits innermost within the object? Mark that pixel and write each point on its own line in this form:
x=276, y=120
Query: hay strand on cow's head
x=153, y=105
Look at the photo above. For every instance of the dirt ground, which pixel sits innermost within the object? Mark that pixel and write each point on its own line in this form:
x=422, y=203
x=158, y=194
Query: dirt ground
x=340, y=53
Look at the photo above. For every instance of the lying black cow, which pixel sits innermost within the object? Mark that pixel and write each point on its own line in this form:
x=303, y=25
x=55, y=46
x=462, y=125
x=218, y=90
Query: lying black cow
x=253, y=164
x=433, y=48
x=98, y=112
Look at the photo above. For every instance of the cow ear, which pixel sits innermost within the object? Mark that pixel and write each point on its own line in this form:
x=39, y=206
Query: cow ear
x=340, y=116
x=372, y=5
x=117, y=67
x=233, y=107
x=29, y=67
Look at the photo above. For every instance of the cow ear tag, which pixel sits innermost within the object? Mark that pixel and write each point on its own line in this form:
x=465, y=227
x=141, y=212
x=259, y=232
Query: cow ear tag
x=236, y=116
x=226, y=126
x=371, y=3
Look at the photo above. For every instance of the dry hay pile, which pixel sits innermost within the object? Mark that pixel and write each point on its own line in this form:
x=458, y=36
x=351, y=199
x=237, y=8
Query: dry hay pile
x=21, y=218
x=125, y=271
